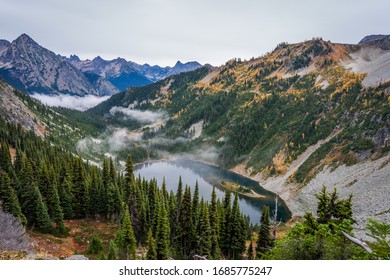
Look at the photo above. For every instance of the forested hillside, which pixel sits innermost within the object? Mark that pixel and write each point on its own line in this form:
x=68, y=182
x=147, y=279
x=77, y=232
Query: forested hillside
x=267, y=111
x=43, y=184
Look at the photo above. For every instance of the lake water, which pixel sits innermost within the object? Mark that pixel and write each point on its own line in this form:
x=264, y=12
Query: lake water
x=209, y=176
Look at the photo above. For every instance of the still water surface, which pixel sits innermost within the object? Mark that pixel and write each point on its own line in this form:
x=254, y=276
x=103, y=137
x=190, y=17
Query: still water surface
x=209, y=176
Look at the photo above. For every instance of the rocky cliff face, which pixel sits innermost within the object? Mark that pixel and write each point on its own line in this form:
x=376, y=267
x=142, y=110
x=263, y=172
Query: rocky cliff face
x=32, y=68
x=382, y=41
x=13, y=110
x=124, y=74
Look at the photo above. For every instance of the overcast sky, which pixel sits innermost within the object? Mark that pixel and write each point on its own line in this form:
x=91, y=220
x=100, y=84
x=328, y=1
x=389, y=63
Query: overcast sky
x=209, y=31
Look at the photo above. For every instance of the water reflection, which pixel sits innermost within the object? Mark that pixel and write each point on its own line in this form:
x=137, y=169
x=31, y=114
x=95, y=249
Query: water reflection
x=207, y=177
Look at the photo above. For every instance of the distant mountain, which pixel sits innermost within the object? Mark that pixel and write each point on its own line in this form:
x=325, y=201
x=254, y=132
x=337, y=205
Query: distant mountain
x=382, y=41
x=30, y=67
x=124, y=74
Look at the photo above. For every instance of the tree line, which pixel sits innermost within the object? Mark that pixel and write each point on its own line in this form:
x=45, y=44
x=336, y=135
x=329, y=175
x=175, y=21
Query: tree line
x=42, y=184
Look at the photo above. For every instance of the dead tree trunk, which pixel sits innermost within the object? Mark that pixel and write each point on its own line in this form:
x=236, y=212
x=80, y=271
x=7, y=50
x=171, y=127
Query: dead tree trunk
x=357, y=242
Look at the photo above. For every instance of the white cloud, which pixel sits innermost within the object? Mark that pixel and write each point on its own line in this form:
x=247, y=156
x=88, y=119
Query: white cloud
x=69, y=101
x=141, y=116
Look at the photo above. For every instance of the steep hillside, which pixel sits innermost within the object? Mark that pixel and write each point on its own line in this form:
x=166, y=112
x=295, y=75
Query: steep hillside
x=60, y=126
x=284, y=118
x=13, y=110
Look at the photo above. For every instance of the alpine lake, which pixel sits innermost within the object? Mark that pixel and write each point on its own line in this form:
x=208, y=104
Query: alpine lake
x=252, y=197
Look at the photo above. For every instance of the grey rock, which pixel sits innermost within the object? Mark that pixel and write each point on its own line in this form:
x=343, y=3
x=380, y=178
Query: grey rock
x=77, y=257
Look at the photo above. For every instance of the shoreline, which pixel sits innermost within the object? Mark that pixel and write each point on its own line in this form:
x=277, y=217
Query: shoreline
x=291, y=206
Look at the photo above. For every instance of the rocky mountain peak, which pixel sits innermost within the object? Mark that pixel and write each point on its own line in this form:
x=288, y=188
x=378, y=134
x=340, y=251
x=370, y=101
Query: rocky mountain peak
x=74, y=57
x=4, y=44
x=382, y=41
x=24, y=39
x=370, y=38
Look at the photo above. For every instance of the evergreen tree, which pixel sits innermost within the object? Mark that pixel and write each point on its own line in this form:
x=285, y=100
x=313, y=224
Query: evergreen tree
x=32, y=203
x=331, y=210
x=41, y=219
x=54, y=206
x=250, y=250
x=43, y=183
x=112, y=251
x=112, y=172
x=114, y=202
x=106, y=173
x=264, y=241
x=195, y=202
x=64, y=193
x=238, y=234
x=95, y=245
x=5, y=160
x=165, y=192
x=102, y=256
x=151, y=247
x=185, y=233
x=162, y=234
x=129, y=180
x=79, y=191
x=127, y=241
x=204, y=245
x=179, y=195
x=225, y=228
x=8, y=198
x=93, y=193
x=214, y=226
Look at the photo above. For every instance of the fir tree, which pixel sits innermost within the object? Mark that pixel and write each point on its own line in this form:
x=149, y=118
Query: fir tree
x=238, y=234
x=41, y=219
x=195, y=204
x=225, y=228
x=162, y=234
x=106, y=173
x=112, y=172
x=112, y=251
x=179, y=195
x=79, y=191
x=10, y=202
x=204, y=244
x=65, y=196
x=127, y=241
x=114, y=201
x=95, y=245
x=214, y=226
x=264, y=241
x=151, y=247
x=129, y=180
x=5, y=159
x=185, y=230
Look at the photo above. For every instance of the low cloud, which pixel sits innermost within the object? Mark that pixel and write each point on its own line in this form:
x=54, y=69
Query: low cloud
x=141, y=116
x=68, y=101
x=204, y=153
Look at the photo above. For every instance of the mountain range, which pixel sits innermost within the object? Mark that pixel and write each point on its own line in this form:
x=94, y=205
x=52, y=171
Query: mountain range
x=302, y=116
x=32, y=68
